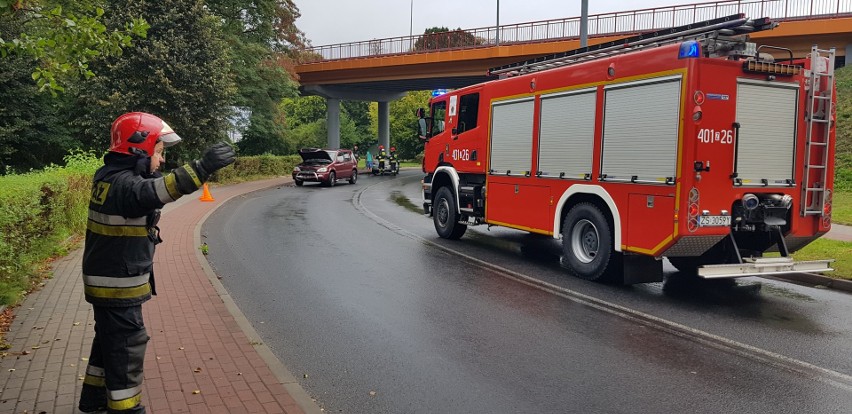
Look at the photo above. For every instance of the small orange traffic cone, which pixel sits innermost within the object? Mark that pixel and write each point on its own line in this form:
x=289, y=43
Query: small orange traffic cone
x=206, y=195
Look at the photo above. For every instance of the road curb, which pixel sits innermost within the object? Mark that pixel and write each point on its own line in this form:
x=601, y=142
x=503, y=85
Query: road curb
x=816, y=280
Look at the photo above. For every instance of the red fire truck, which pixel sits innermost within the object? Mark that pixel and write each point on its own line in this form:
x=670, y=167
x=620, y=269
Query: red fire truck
x=690, y=143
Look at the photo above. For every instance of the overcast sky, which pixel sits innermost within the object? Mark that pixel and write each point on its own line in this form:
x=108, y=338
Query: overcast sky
x=327, y=22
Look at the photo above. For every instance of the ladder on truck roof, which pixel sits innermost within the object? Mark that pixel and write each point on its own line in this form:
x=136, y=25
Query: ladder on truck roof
x=820, y=106
x=736, y=24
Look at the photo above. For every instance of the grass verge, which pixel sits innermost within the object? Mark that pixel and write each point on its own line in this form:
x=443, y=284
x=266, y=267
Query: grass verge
x=842, y=208
x=830, y=249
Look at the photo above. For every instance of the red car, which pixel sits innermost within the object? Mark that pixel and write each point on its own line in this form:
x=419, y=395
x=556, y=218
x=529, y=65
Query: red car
x=325, y=166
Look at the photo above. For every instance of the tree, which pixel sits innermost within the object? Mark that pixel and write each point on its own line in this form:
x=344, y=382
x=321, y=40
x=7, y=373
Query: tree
x=303, y=110
x=48, y=45
x=262, y=21
x=179, y=72
x=263, y=39
x=305, y=119
x=32, y=132
x=359, y=113
x=31, y=127
x=315, y=134
x=263, y=136
x=64, y=40
x=436, y=38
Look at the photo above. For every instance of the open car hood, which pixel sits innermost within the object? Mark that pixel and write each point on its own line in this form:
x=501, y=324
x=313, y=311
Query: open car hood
x=315, y=154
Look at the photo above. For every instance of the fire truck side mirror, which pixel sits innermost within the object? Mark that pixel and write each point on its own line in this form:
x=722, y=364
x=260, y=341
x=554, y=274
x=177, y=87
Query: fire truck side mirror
x=422, y=129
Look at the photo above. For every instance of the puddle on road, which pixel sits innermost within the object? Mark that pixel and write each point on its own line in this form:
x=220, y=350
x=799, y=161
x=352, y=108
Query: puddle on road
x=403, y=201
x=786, y=293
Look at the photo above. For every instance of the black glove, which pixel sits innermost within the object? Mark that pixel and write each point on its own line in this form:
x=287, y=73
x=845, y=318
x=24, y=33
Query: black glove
x=215, y=158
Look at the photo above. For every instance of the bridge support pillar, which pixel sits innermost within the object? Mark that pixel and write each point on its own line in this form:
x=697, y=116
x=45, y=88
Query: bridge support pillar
x=333, y=94
x=333, y=122
x=848, y=59
x=384, y=124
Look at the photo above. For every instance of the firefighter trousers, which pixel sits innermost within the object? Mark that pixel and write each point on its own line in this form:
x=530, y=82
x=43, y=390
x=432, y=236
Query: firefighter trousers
x=113, y=379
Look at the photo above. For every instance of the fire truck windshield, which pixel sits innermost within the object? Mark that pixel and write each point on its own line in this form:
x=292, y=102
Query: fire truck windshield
x=439, y=111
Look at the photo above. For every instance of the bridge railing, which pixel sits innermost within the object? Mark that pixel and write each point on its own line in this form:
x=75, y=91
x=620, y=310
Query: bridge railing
x=598, y=25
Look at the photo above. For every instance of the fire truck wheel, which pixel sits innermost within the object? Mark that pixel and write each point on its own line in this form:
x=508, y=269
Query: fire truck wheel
x=445, y=217
x=587, y=243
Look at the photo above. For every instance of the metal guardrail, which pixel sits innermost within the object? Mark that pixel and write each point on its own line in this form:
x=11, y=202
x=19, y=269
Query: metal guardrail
x=605, y=24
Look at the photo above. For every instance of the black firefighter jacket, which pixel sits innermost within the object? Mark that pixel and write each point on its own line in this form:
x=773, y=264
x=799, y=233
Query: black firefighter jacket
x=121, y=231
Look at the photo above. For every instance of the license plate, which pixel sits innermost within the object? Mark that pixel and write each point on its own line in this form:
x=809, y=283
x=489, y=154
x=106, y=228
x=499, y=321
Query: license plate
x=711, y=221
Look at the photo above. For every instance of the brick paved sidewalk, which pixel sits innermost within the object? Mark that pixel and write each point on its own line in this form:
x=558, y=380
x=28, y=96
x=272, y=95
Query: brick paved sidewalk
x=203, y=357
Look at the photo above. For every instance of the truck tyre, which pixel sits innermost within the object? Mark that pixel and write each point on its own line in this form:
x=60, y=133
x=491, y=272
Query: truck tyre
x=445, y=217
x=587, y=249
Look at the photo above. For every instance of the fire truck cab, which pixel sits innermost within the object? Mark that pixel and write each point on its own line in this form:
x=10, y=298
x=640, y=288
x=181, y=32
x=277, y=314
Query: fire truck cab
x=691, y=144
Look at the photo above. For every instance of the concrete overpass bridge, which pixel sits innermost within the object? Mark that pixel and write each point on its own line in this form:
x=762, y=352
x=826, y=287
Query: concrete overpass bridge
x=382, y=70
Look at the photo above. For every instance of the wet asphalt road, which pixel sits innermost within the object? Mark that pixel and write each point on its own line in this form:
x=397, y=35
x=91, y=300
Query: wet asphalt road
x=354, y=292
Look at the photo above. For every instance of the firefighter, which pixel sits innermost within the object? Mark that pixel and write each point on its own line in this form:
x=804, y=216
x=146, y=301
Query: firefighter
x=127, y=194
x=381, y=159
x=394, y=162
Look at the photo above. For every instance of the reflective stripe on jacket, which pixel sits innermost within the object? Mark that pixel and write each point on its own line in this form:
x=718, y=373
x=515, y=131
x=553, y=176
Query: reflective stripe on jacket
x=121, y=231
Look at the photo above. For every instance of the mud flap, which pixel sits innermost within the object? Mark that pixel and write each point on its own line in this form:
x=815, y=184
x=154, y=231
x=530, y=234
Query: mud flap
x=642, y=269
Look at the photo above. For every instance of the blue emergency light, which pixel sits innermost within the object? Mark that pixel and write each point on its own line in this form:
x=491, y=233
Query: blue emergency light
x=690, y=49
x=439, y=92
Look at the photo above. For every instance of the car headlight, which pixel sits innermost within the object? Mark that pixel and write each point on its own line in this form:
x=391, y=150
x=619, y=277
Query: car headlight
x=322, y=169
x=296, y=169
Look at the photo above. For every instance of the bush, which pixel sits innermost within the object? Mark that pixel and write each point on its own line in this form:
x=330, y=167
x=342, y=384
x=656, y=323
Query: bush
x=254, y=167
x=843, y=147
x=39, y=211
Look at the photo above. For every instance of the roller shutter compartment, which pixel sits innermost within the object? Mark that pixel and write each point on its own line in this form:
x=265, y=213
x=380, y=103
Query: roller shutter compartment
x=567, y=134
x=511, y=137
x=641, y=127
x=766, y=143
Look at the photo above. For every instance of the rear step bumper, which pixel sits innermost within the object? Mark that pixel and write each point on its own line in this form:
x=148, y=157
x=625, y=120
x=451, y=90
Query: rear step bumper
x=763, y=266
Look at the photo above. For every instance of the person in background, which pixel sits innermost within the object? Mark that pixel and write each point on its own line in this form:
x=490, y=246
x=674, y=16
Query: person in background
x=118, y=258
x=369, y=160
x=394, y=162
x=356, y=155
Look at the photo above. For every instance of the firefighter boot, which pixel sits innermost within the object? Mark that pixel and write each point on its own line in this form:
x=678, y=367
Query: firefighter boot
x=93, y=397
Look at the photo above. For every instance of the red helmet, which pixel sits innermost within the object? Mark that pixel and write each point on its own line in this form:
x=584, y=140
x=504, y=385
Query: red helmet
x=393, y=149
x=137, y=132
x=381, y=147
